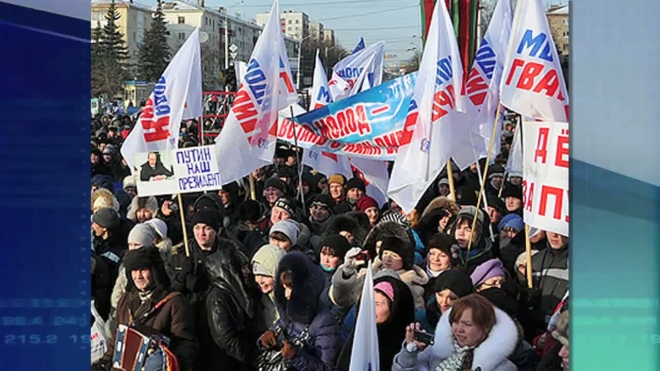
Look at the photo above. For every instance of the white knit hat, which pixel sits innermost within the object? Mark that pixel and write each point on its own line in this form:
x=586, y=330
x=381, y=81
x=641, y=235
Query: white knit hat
x=159, y=226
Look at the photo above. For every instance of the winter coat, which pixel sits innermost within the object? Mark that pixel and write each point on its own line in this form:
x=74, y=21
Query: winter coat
x=228, y=341
x=550, y=274
x=101, y=286
x=390, y=333
x=491, y=355
x=305, y=310
x=173, y=319
x=347, y=284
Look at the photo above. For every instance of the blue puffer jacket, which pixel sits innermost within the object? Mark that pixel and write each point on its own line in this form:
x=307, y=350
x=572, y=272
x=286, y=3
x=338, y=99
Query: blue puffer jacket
x=305, y=310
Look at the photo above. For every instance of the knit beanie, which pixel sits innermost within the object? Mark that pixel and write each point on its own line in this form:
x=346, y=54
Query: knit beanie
x=446, y=244
x=287, y=227
x=355, y=183
x=511, y=190
x=456, y=281
x=142, y=234
x=324, y=201
x=386, y=289
x=159, y=226
x=338, y=179
x=511, y=221
x=487, y=270
x=401, y=248
x=106, y=218
x=338, y=243
x=250, y=211
x=266, y=260
x=496, y=203
x=286, y=205
x=129, y=182
x=276, y=183
x=208, y=217
x=365, y=202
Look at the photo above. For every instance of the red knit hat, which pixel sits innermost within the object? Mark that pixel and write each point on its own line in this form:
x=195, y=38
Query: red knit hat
x=366, y=202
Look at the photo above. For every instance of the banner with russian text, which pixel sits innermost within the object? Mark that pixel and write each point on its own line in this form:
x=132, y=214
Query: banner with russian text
x=369, y=124
x=183, y=170
x=545, y=175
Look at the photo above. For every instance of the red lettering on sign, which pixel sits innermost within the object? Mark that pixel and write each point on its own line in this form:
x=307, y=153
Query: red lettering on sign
x=154, y=130
x=351, y=123
x=528, y=195
x=548, y=83
x=558, y=193
x=561, y=159
x=542, y=146
x=363, y=126
x=245, y=112
x=408, y=129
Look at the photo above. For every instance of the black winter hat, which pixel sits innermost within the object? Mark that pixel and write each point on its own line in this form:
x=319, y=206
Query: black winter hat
x=495, y=170
x=456, y=281
x=287, y=205
x=400, y=247
x=511, y=190
x=444, y=243
x=210, y=201
x=250, y=211
x=106, y=217
x=324, y=200
x=467, y=196
x=276, y=183
x=338, y=243
x=355, y=183
x=139, y=259
x=496, y=203
x=501, y=299
x=208, y=217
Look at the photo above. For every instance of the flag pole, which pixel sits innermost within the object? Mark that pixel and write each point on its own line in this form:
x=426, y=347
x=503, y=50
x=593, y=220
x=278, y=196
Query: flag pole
x=528, y=253
x=253, y=188
x=298, y=160
x=485, y=174
x=184, y=226
x=450, y=176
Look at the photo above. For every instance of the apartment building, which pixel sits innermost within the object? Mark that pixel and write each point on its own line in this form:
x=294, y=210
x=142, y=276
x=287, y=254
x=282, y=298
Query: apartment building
x=558, y=19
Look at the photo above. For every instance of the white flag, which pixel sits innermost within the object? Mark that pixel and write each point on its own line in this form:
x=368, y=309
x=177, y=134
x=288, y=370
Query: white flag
x=357, y=72
x=365, y=353
x=248, y=140
x=375, y=176
x=514, y=165
x=533, y=83
x=438, y=108
x=240, y=69
x=483, y=83
x=320, y=94
x=158, y=127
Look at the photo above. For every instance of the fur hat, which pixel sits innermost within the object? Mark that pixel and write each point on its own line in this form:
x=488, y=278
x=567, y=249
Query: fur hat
x=561, y=331
x=150, y=203
x=441, y=203
x=103, y=198
x=401, y=247
x=384, y=229
x=307, y=281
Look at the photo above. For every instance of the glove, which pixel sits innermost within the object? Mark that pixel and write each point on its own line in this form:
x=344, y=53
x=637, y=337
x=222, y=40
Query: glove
x=350, y=259
x=288, y=350
x=268, y=339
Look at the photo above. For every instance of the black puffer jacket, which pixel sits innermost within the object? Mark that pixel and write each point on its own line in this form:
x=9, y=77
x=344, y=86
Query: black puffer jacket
x=228, y=340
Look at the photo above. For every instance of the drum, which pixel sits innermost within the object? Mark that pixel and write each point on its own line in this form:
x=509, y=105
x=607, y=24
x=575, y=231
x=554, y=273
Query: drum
x=134, y=345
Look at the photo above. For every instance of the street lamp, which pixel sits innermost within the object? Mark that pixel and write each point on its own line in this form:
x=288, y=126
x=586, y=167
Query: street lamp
x=227, y=33
x=299, y=58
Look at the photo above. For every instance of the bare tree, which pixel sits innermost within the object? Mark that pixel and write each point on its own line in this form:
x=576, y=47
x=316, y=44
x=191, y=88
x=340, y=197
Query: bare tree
x=413, y=62
x=486, y=9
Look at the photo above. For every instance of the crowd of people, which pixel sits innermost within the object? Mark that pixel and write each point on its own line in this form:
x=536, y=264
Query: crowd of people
x=275, y=282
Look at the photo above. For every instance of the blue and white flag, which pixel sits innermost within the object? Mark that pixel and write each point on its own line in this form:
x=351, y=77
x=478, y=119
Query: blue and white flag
x=365, y=353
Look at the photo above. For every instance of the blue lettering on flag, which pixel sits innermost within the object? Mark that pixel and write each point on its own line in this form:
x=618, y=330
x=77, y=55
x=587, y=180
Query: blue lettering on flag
x=486, y=59
x=539, y=44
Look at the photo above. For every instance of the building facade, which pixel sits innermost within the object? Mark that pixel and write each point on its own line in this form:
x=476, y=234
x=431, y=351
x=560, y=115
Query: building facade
x=558, y=19
x=329, y=37
x=294, y=24
x=183, y=18
x=316, y=32
x=134, y=20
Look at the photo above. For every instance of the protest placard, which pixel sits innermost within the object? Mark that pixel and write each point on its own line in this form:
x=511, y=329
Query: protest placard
x=545, y=176
x=183, y=170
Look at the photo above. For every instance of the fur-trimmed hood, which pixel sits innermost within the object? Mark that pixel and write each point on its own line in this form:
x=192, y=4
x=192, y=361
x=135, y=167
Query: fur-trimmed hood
x=348, y=224
x=489, y=355
x=308, y=282
x=415, y=278
x=441, y=203
x=150, y=203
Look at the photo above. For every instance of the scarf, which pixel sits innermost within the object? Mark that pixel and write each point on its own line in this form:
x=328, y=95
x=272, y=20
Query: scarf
x=433, y=273
x=459, y=361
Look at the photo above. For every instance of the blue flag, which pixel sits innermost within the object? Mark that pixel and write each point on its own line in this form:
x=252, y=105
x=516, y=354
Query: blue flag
x=360, y=45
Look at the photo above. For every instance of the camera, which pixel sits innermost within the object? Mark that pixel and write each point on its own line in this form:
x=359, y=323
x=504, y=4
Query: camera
x=424, y=337
x=173, y=207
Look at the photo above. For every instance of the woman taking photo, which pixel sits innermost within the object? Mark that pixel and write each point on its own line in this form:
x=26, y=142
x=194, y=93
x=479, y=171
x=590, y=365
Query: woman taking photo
x=471, y=335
